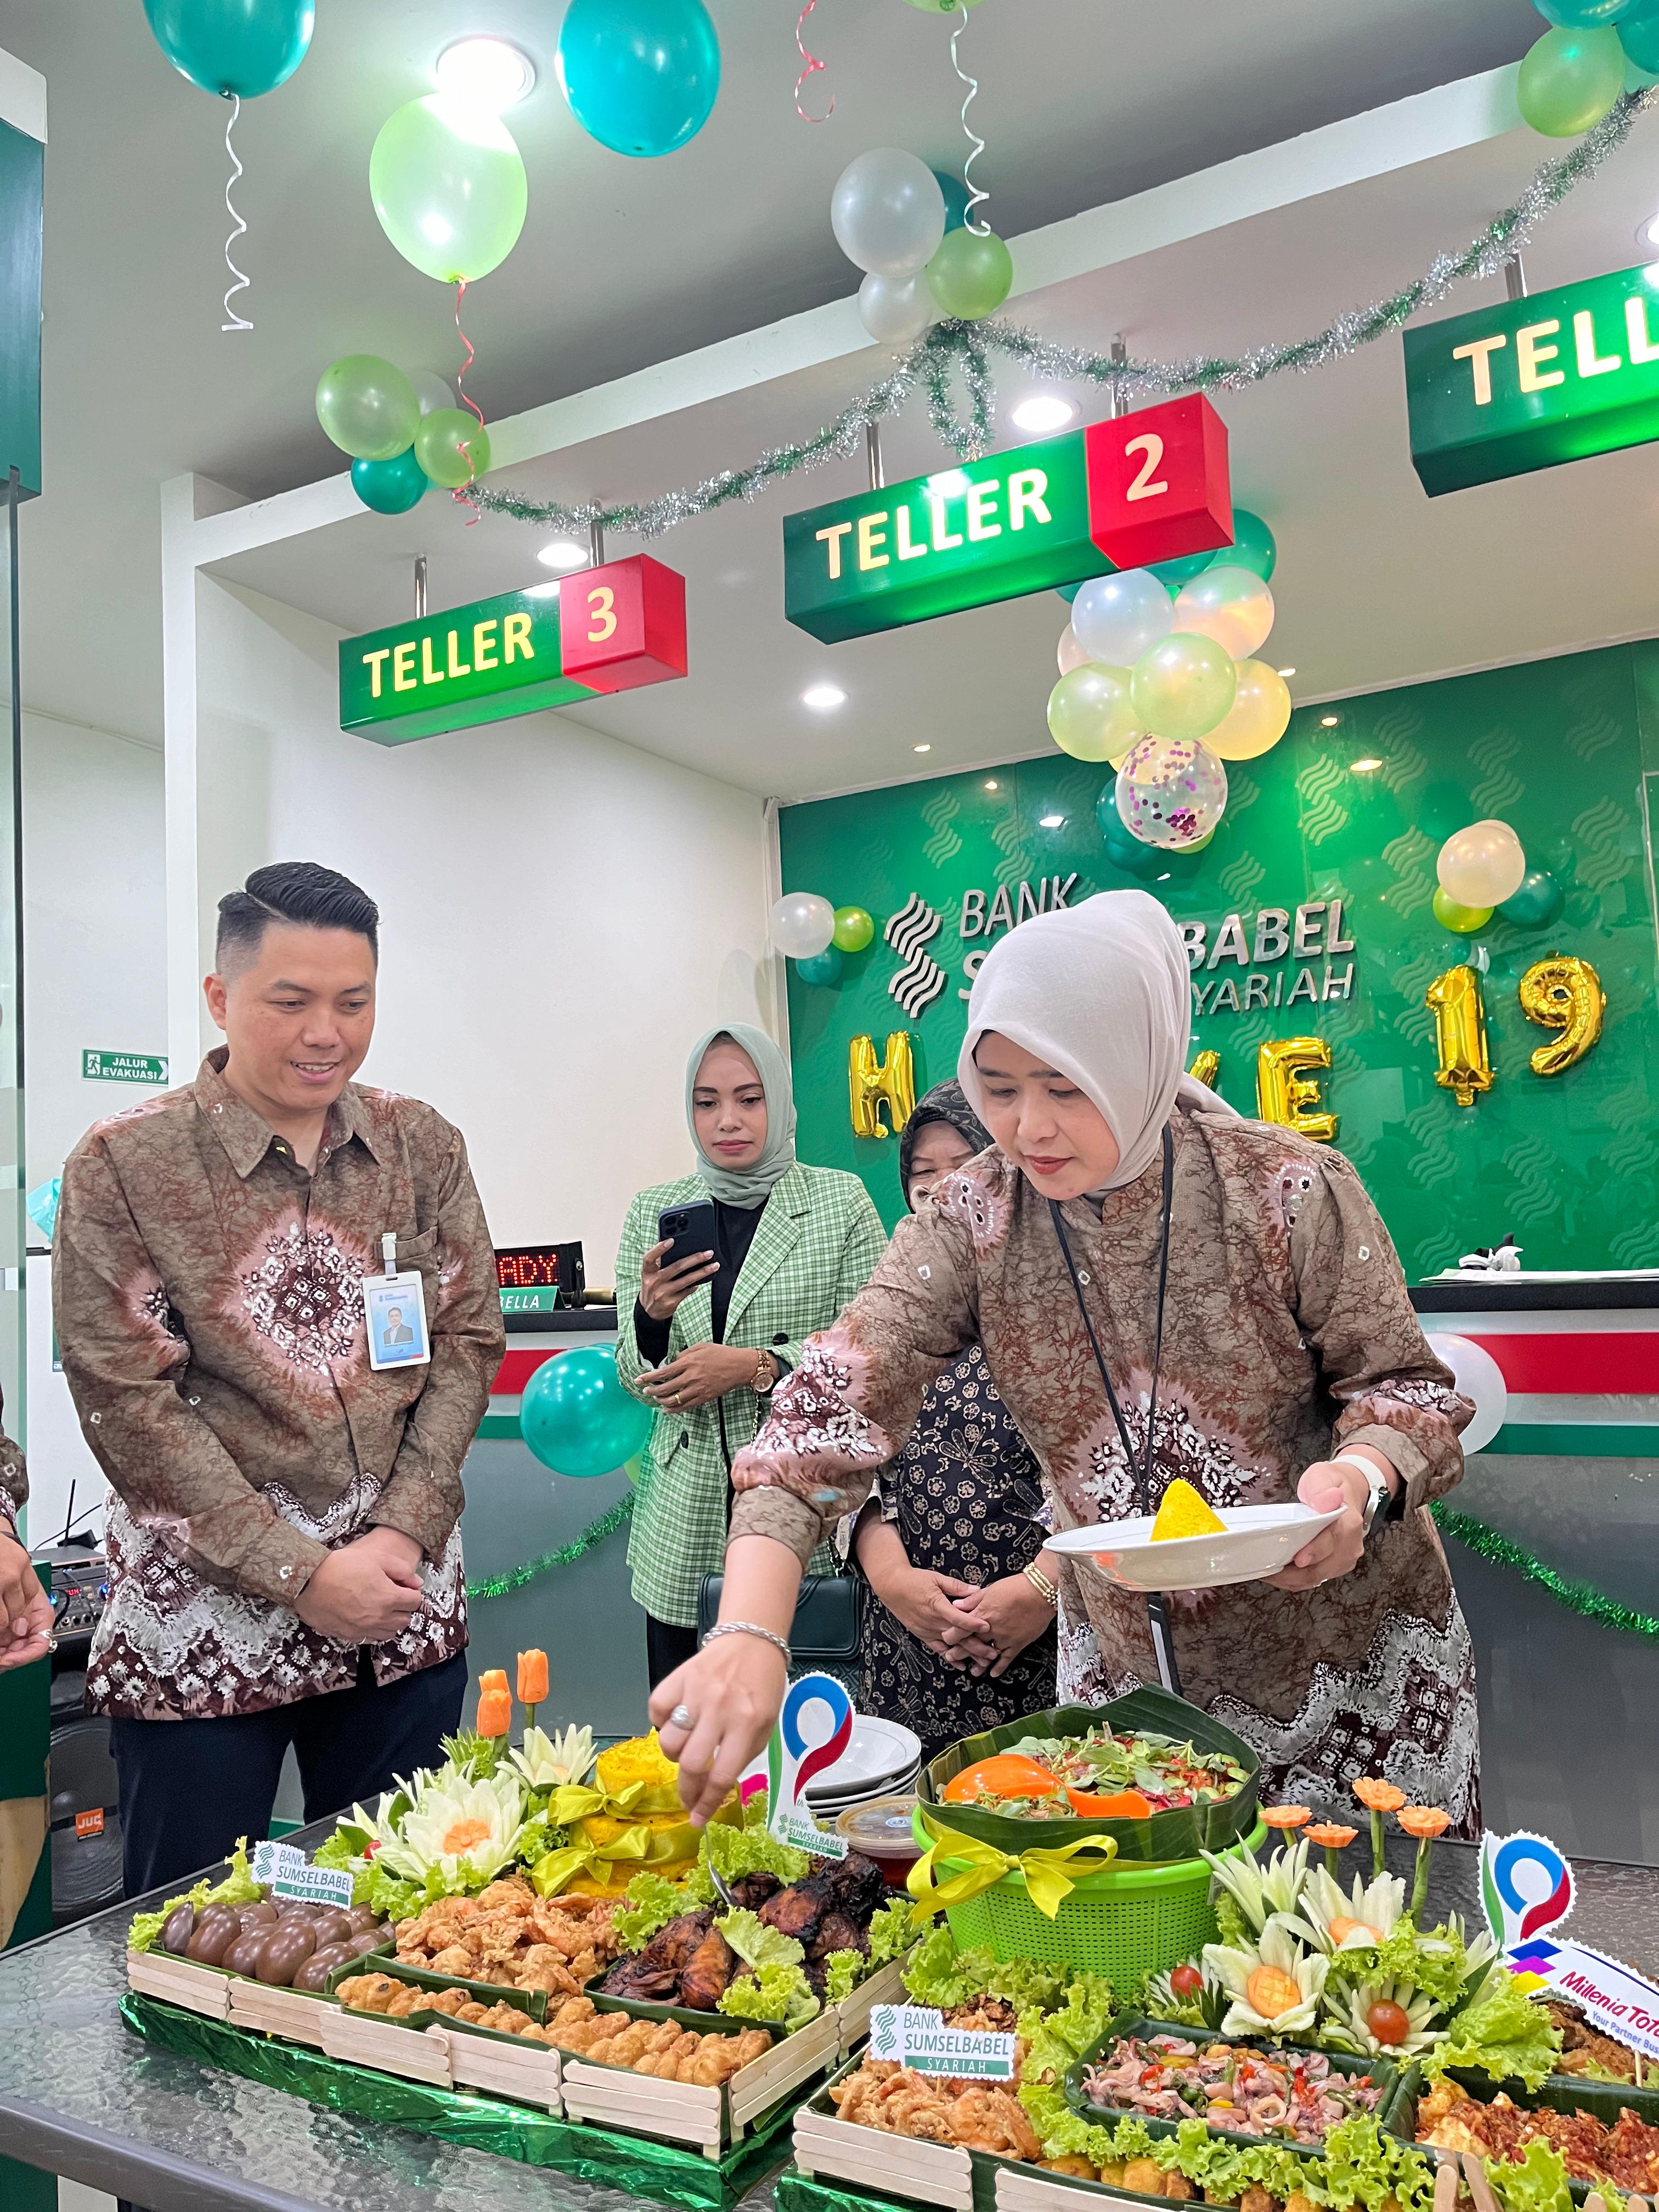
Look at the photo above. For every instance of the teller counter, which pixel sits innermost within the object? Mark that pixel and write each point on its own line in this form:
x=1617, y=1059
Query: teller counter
x=1568, y=1704
x=579, y=1612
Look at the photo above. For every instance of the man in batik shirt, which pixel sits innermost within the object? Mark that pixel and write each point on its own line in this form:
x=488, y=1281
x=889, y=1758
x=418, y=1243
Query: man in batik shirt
x=284, y=1562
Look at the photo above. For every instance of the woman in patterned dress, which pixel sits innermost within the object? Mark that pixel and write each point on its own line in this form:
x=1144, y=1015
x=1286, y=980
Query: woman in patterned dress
x=1291, y=1365
x=956, y=1637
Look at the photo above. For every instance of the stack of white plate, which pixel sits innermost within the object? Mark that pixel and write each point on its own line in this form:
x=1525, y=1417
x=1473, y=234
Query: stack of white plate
x=882, y=1760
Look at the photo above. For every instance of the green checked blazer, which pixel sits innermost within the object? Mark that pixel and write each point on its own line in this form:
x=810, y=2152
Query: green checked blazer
x=814, y=1247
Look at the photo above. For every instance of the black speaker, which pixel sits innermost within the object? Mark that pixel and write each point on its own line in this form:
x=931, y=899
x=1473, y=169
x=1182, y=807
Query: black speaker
x=85, y=1819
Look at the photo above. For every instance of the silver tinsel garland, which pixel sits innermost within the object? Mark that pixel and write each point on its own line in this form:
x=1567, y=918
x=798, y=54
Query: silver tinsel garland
x=949, y=346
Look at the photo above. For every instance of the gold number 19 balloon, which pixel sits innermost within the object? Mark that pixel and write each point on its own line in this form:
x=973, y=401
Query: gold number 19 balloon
x=1283, y=1095
x=1566, y=994
x=1460, y=1029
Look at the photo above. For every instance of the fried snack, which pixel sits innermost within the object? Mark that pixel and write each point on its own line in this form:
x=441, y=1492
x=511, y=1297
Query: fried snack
x=409, y=1998
x=369, y=1992
x=510, y=1938
x=1626, y=2154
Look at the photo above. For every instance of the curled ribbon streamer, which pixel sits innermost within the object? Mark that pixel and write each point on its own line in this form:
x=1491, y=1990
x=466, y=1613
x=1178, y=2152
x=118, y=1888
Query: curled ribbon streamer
x=813, y=65
x=238, y=322
x=463, y=493
x=1050, y=1875
x=975, y=196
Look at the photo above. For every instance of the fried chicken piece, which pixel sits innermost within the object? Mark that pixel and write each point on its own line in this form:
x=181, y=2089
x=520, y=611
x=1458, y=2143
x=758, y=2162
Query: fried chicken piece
x=990, y=2118
x=512, y=1895
x=544, y=1968
x=665, y=2063
x=798, y=1910
x=994, y=2015
x=455, y=1959
x=560, y=1930
x=751, y=1891
x=708, y=1972
x=655, y=1972
x=837, y=1933
x=857, y=1887
x=369, y=1992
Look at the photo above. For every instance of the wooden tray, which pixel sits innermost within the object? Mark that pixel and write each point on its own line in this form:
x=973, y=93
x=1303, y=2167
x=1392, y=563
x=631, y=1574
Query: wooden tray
x=295, y=2014
x=884, y=1986
x=366, y=2038
x=680, y=2112
x=501, y=2065
x=935, y=2173
x=180, y=1982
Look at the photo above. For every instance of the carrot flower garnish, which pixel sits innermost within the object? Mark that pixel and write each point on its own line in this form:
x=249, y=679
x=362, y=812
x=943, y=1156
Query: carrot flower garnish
x=1332, y=1837
x=1378, y=1797
x=1286, y=1816
x=1425, y=1822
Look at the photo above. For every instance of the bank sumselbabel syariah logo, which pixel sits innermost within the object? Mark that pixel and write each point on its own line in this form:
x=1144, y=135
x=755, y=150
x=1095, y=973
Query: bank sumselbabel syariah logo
x=921, y=979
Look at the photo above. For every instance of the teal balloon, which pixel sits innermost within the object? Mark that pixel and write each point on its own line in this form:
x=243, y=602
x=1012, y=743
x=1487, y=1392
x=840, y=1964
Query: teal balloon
x=956, y=198
x=1539, y=901
x=1181, y=571
x=1583, y=14
x=1254, y=546
x=42, y=1203
x=823, y=968
x=1123, y=849
x=1069, y=592
x=245, y=46
x=576, y=1417
x=1638, y=34
x=391, y=487
x=639, y=75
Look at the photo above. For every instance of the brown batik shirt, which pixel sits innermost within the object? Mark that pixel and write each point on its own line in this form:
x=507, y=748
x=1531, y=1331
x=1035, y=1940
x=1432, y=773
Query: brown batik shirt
x=207, y=1296
x=1288, y=1332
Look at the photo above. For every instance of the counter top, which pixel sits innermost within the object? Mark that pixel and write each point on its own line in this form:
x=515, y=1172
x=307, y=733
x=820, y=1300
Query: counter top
x=81, y=2096
x=1484, y=1294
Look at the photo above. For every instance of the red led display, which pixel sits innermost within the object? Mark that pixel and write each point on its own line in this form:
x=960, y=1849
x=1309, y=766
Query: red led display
x=528, y=1267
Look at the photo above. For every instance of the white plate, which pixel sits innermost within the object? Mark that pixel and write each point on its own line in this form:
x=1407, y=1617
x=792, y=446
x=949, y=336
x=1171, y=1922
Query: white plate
x=1254, y=1540
x=879, y=1749
x=891, y=1785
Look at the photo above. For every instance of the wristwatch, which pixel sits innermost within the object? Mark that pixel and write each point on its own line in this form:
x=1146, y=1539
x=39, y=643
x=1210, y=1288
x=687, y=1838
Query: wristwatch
x=766, y=1374
x=1376, y=1482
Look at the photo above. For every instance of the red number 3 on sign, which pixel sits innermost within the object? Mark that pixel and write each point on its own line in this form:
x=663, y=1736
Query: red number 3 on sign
x=1157, y=483
x=623, y=625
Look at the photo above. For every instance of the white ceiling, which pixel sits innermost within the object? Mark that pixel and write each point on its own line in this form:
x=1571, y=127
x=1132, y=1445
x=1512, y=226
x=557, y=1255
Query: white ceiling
x=623, y=264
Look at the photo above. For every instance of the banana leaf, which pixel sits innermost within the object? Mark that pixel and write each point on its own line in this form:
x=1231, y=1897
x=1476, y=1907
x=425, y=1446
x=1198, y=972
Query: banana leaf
x=1181, y=1833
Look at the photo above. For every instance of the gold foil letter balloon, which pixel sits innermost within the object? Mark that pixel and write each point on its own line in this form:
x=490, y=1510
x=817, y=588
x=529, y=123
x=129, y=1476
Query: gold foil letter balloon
x=1460, y=1032
x=1564, y=994
x=868, y=1083
x=1284, y=1096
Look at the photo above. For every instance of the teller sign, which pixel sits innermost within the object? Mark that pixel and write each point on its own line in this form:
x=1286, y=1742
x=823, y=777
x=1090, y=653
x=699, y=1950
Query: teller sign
x=1138, y=488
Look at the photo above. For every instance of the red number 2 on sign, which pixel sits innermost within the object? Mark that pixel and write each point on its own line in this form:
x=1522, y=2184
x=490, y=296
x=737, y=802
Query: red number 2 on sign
x=1157, y=483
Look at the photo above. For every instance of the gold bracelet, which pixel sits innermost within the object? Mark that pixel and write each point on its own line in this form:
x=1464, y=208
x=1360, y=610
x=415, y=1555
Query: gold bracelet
x=1041, y=1584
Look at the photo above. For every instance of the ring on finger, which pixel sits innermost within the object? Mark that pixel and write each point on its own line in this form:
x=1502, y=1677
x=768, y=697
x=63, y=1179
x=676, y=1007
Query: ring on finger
x=682, y=1717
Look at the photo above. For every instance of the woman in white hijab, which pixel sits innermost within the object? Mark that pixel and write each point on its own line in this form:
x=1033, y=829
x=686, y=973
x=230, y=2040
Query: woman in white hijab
x=1162, y=1289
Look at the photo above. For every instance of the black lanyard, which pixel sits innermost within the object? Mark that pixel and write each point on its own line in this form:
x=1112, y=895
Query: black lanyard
x=1157, y=1611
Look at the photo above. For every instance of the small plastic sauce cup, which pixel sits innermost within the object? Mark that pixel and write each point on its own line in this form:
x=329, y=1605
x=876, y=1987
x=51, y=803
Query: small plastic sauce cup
x=881, y=1831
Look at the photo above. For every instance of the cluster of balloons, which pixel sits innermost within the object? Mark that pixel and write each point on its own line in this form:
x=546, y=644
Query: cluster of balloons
x=1570, y=77
x=449, y=187
x=403, y=434
x=1167, y=687
x=576, y=1417
x=1483, y=871
x=891, y=218
x=639, y=75
x=814, y=934
x=227, y=46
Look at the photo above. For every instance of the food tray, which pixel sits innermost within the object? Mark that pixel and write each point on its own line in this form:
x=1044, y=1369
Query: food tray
x=273, y=2010
x=1560, y=2093
x=715, y=2120
x=491, y=2059
x=532, y=2002
x=205, y=1989
x=390, y=2046
x=1179, y=1833
x=884, y=1986
x=1396, y=2084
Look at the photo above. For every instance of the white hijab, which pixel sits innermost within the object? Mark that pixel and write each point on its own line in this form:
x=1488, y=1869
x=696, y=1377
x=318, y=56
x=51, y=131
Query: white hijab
x=1099, y=991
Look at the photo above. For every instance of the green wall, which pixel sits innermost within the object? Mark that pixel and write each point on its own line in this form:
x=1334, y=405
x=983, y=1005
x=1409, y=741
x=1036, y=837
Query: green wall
x=1557, y=748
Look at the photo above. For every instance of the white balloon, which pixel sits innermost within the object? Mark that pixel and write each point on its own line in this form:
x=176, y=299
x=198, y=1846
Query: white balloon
x=1232, y=605
x=431, y=391
x=1070, y=654
x=895, y=309
x=888, y=212
x=1481, y=866
x=1480, y=1380
x=802, y=925
x=1117, y=619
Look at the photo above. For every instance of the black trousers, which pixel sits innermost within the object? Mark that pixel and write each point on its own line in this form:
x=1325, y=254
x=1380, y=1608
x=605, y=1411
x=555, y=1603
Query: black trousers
x=189, y=1789
x=667, y=1645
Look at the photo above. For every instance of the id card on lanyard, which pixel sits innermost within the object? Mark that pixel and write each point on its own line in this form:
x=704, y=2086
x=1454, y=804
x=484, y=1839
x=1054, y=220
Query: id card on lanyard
x=394, y=1308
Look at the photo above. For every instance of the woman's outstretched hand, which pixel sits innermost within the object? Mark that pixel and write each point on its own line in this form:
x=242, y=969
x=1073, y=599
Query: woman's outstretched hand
x=732, y=1691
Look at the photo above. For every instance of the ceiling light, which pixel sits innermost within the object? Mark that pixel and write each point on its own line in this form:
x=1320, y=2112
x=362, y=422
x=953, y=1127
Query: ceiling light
x=952, y=482
x=1047, y=412
x=1287, y=671
x=542, y=591
x=487, y=73
x=563, y=553
x=990, y=783
x=823, y=698
x=922, y=748
x=1329, y=721
x=1647, y=232
x=1363, y=767
x=1051, y=822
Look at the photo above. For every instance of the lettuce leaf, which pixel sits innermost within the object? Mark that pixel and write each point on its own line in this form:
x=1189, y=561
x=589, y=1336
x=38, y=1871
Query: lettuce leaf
x=842, y=1972
x=1538, y=2184
x=938, y=1974
x=651, y=1904
x=773, y=1992
x=757, y=1944
x=1503, y=2032
x=1436, y=1963
x=1363, y=2167
x=735, y=1852
x=238, y=1887
x=342, y=1850
x=145, y=1932
x=891, y=1934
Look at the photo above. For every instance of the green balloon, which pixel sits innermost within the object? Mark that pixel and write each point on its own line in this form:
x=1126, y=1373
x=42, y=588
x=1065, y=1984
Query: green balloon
x=577, y=1416
x=452, y=448
x=853, y=929
x=1184, y=567
x=1451, y=913
x=369, y=407
x=448, y=186
x=1090, y=716
x=1184, y=686
x=1253, y=548
x=1568, y=79
x=970, y=276
x=1539, y=900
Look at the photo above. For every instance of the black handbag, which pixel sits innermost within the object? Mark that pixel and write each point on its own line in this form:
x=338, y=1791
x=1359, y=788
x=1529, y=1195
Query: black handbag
x=826, y=1636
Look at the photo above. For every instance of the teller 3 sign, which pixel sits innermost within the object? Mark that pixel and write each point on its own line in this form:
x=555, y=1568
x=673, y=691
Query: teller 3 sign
x=1121, y=494
x=606, y=629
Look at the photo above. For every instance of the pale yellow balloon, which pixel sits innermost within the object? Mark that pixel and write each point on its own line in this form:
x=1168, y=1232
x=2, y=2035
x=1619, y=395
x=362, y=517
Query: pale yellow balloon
x=1258, y=717
x=1070, y=654
x=1232, y=605
x=1090, y=716
x=1481, y=866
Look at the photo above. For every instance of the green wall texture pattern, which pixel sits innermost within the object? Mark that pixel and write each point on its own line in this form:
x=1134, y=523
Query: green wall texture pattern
x=1557, y=748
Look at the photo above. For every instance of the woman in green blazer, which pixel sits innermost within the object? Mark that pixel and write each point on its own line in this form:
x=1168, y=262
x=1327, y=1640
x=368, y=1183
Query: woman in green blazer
x=707, y=1340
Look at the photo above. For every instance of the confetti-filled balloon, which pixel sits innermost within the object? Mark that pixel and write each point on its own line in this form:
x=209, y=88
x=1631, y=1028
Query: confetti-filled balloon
x=1090, y=716
x=1118, y=617
x=888, y=212
x=1171, y=792
x=1233, y=605
x=1481, y=866
x=1568, y=81
x=802, y=924
x=1258, y=717
x=1122, y=850
x=1184, y=686
x=1069, y=653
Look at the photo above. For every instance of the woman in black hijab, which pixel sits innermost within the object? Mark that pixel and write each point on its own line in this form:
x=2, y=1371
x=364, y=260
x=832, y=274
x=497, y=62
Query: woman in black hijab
x=958, y=1636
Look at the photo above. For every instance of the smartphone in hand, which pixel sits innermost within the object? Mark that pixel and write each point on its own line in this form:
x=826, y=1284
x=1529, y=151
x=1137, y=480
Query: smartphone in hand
x=688, y=1229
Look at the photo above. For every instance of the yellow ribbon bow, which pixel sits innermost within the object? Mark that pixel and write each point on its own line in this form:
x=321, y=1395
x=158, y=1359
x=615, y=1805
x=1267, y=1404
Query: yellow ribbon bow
x=636, y=1840
x=1050, y=1875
